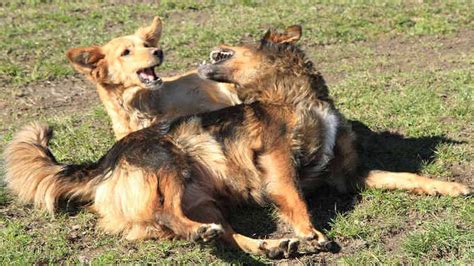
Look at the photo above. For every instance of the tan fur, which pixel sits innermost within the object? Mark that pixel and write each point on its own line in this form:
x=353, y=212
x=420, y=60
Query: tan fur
x=131, y=197
x=31, y=173
x=130, y=104
x=414, y=183
x=126, y=198
x=178, y=178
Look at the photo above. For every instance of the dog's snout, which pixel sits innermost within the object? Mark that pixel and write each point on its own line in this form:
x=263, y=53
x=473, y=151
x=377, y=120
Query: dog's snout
x=158, y=53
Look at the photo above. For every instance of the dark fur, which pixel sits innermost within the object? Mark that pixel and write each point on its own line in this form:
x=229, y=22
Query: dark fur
x=180, y=176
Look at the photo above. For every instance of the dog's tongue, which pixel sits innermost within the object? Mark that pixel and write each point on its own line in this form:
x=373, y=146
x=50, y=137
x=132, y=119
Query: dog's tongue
x=148, y=74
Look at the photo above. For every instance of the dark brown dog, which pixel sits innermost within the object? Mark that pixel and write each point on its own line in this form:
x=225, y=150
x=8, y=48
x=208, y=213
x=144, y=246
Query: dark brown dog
x=178, y=178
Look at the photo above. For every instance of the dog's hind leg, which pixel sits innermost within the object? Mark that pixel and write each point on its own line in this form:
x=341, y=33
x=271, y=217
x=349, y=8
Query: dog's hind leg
x=171, y=213
x=148, y=230
x=414, y=183
x=145, y=204
x=189, y=229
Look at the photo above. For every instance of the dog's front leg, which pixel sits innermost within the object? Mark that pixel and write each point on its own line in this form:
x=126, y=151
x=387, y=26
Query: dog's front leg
x=282, y=190
x=203, y=209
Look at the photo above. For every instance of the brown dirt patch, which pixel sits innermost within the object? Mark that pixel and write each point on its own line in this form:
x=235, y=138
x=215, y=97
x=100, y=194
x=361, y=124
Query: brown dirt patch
x=401, y=54
x=67, y=96
x=48, y=98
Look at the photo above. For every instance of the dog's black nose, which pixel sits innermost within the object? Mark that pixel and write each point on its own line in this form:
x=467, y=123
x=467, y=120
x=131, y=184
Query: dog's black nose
x=158, y=53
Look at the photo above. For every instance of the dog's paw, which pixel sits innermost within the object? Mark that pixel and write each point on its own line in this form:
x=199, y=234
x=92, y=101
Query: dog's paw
x=318, y=242
x=452, y=189
x=321, y=246
x=457, y=189
x=278, y=249
x=208, y=232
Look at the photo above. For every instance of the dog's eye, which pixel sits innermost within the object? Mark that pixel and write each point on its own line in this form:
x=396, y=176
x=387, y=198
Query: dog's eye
x=146, y=45
x=125, y=52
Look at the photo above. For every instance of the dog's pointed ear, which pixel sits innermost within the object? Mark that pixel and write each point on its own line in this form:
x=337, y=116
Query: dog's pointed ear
x=291, y=35
x=87, y=60
x=152, y=33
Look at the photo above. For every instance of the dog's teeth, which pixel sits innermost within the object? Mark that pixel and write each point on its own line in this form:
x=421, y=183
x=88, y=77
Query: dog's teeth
x=211, y=56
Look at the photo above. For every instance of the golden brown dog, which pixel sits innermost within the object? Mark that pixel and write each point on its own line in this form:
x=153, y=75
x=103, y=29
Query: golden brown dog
x=179, y=178
x=131, y=91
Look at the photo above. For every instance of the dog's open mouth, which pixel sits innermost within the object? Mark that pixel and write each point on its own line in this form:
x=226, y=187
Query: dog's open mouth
x=220, y=55
x=148, y=76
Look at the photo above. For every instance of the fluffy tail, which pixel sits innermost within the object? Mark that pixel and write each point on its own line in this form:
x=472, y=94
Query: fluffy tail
x=414, y=183
x=36, y=177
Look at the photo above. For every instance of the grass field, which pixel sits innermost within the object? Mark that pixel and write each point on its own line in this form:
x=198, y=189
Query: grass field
x=402, y=73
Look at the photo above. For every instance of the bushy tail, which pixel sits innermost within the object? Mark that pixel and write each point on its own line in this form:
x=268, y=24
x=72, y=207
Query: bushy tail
x=36, y=177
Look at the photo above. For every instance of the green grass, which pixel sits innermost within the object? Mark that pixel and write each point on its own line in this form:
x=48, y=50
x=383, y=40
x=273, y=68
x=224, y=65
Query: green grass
x=441, y=239
x=35, y=36
x=391, y=69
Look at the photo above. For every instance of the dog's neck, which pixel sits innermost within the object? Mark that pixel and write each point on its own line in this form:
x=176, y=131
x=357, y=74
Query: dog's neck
x=129, y=108
x=304, y=92
x=298, y=90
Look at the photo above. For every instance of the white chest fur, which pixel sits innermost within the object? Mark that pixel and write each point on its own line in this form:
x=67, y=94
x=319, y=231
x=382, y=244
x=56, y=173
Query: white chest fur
x=330, y=122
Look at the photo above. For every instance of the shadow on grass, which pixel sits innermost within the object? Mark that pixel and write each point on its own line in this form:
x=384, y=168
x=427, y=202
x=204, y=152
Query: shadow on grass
x=377, y=150
x=393, y=152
